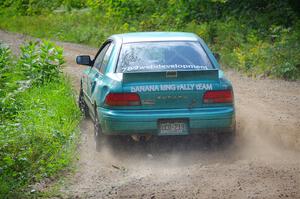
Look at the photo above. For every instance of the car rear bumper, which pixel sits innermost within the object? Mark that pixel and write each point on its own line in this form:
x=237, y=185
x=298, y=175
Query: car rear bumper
x=147, y=121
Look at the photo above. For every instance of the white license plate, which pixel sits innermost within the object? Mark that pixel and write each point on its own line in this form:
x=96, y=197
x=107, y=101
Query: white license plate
x=173, y=127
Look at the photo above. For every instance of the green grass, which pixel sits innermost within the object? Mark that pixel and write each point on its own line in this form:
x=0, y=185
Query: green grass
x=39, y=118
x=64, y=27
x=41, y=140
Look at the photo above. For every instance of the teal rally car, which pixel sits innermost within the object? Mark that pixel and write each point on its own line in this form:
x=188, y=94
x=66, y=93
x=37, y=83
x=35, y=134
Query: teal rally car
x=156, y=84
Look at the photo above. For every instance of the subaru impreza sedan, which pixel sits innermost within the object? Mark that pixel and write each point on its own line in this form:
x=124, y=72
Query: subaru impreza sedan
x=156, y=84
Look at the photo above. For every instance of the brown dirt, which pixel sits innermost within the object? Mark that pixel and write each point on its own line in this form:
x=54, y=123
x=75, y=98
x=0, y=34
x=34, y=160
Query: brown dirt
x=264, y=162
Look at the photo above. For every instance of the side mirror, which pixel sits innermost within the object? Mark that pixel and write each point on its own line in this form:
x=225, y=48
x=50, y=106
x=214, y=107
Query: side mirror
x=217, y=56
x=84, y=60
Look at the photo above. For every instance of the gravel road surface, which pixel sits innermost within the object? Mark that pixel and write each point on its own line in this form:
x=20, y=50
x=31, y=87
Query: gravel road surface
x=264, y=161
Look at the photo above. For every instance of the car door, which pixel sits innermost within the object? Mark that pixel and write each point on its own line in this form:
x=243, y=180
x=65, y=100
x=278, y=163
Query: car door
x=98, y=70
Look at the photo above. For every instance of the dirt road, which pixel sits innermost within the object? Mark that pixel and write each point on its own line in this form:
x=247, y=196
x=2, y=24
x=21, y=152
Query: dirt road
x=264, y=162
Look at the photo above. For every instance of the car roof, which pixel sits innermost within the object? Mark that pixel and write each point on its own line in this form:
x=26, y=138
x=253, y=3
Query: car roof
x=154, y=36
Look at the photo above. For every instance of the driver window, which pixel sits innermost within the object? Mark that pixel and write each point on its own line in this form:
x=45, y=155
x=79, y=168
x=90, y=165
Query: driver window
x=99, y=58
x=106, y=58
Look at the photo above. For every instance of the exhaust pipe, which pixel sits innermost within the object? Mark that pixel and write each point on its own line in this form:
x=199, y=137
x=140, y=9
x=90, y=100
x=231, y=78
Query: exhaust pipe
x=138, y=138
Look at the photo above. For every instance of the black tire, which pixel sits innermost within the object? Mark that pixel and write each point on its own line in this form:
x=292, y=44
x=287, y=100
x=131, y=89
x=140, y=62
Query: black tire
x=82, y=105
x=98, y=135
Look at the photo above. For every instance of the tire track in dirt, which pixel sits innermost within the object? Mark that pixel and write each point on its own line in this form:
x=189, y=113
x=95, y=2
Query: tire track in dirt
x=263, y=163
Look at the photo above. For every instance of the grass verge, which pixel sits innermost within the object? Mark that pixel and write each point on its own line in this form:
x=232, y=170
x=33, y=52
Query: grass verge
x=39, y=122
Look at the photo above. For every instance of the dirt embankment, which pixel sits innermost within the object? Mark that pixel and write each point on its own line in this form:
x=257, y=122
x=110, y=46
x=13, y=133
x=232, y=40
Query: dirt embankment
x=264, y=162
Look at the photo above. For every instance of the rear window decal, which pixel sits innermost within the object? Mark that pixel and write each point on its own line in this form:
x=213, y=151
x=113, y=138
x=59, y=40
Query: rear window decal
x=163, y=56
x=164, y=67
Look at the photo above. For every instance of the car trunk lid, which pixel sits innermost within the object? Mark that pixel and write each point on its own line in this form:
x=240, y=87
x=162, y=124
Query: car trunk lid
x=170, y=89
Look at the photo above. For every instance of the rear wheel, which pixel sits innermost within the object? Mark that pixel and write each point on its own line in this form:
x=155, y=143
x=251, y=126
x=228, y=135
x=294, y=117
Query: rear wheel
x=98, y=135
x=103, y=140
x=82, y=104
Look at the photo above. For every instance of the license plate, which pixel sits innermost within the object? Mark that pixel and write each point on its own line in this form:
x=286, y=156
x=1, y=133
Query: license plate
x=173, y=127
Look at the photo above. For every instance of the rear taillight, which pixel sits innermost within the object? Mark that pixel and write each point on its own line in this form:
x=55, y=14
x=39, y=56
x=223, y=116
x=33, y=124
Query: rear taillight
x=222, y=96
x=122, y=99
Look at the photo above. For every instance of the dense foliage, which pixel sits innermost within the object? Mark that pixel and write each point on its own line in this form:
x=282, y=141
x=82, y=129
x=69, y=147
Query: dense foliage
x=38, y=116
x=257, y=37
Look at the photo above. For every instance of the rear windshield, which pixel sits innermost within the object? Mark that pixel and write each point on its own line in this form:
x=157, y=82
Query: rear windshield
x=162, y=56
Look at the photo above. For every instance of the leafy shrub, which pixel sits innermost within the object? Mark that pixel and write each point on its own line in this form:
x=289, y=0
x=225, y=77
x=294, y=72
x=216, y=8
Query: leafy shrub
x=41, y=62
x=244, y=49
x=263, y=58
x=34, y=7
x=29, y=7
x=39, y=138
x=8, y=83
x=5, y=63
x=258, y=38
